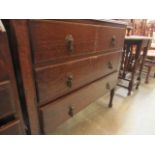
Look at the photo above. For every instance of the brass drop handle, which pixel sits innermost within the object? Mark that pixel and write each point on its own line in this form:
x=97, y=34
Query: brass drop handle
x=71, y=111
x=108, y=86
x=70, y=42
x=113, y=40
x=69, y=81
x=110, y=66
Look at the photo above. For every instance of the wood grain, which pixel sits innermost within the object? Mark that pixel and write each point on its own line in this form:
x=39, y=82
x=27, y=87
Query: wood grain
x=9, y=99
x=51, y=81
x=46, y=60
x=49, y=43
x=56, y=113
x=21, y=39
x=12, y=128
x=7, y=102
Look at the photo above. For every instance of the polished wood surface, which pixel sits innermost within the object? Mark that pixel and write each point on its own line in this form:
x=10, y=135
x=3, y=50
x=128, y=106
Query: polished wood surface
x=57, y=112
x=22, y=51
x=58, y=60
x=49, y=39
x=52, y=81
x=10, y=109
x=12, y=128
x=7, y=102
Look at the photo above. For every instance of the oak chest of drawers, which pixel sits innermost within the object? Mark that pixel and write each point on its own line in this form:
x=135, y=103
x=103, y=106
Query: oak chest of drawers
x=64, y=66
x=11, y=121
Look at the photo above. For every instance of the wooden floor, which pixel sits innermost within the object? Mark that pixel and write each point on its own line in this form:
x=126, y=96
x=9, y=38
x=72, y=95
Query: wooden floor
x=130, y=115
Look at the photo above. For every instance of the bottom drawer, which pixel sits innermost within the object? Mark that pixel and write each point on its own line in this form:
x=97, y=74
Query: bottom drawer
x=62, y=109
x=12, y=128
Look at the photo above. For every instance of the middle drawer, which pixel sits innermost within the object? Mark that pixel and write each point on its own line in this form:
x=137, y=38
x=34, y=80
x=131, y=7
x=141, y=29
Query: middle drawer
x=57, y=80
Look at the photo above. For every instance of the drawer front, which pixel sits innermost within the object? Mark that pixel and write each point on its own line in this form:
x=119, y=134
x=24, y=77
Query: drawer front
x=55, y=81
x=53, y=40
x=110, y=38
x=6, y=100
x=52, y=115
x=12, y=128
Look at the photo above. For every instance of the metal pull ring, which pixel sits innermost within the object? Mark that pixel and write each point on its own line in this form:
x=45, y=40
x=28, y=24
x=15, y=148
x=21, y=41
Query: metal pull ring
x=71, y=111
x=113, y=40
x=70, y=42
x=110, y=66
x=69, y=81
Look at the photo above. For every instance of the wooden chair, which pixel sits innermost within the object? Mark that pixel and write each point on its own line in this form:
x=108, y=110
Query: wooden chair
x=149, y=64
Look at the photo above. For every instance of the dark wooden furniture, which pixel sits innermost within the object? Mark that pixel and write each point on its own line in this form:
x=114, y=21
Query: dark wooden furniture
x=139, y=27
x=149, y=64
x=11, y=121
x=64, y=66
x=135, y=51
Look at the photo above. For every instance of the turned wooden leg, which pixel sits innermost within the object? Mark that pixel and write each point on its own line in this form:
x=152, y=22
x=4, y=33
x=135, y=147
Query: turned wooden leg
x=111, y=97
x=139, y=81
x=148, y=74
x=130, y=88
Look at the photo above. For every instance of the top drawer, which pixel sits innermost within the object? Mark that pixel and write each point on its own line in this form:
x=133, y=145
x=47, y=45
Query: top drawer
x=52, y=40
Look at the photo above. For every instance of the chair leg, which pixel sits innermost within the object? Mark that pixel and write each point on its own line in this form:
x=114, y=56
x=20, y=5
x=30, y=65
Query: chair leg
x=112, y=92
x=130, y=87
x=154, y=74
x=148, y=74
